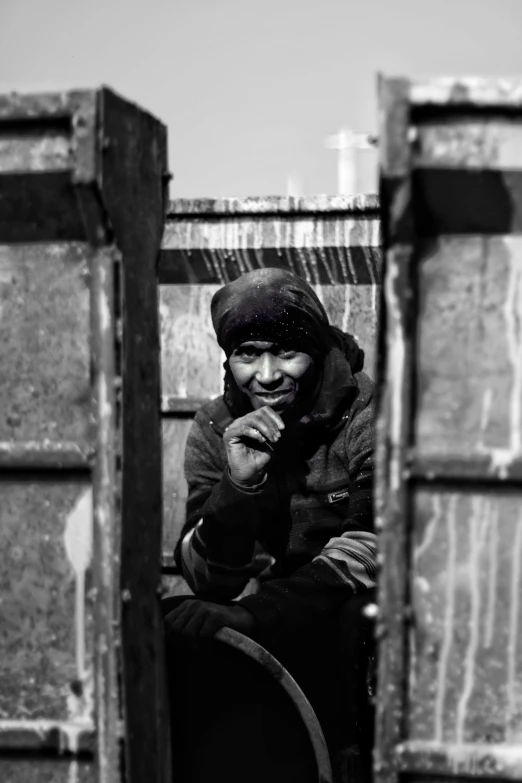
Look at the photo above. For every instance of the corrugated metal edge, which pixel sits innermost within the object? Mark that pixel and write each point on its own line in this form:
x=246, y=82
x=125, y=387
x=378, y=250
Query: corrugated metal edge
x=470, y=759
x=269, y=205
x=475, y=91
x=392, y=427
x=106, y=521
x=71, y=737
x=28, y=106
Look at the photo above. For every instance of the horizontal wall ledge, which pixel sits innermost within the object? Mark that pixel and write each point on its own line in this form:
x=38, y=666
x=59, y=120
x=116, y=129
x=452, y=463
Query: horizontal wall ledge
x=447, y=759
x=327, y=240
x=51, y=455
x=468, y=91
x=477, y=468
x=269, y=205
x=47, y=735
x=182, y=406
x=169, y=566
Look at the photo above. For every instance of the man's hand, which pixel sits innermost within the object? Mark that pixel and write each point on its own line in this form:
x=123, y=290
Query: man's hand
x=203, y=618
x=249, y=442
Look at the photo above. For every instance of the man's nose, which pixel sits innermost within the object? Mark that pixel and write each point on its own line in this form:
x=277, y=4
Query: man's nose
x=268, y=370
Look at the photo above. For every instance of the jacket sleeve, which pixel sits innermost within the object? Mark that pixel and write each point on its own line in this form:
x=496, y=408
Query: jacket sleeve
x=348, y=563
x=216, y=547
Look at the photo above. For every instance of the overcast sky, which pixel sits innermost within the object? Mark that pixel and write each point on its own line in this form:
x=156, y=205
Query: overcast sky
x=249, y=89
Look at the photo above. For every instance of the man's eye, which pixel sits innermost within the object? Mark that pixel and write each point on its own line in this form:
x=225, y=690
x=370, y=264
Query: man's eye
x=286, y=354
x=246, y=353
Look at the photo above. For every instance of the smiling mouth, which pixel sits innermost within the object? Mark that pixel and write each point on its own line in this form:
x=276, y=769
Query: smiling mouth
x=273, y=397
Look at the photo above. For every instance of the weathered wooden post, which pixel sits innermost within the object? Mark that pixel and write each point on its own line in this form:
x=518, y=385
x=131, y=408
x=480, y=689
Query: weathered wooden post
x=82, y=197
x=450, y=453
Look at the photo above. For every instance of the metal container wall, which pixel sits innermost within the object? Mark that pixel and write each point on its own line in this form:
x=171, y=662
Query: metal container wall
x=82, y=199
x=450, y=451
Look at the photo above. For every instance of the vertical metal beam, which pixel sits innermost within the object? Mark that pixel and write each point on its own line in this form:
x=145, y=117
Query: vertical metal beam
x=393, y=423
x=106, y=534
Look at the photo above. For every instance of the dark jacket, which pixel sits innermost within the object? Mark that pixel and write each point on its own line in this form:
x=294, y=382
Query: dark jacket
x=313, y=514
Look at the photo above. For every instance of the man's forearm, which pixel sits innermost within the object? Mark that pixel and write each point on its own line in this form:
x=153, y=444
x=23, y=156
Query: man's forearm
x=209, y=577
x=347, y=566
x=217, y=555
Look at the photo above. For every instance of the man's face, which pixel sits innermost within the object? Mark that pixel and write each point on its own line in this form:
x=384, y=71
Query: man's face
x=269, y=374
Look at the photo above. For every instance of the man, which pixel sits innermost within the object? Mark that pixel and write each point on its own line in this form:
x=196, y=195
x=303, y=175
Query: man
x=280, y=468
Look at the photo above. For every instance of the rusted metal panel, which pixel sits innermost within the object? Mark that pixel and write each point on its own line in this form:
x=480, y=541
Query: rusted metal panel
x=81, y=348
x=35, y=149
x=44, y=314
x=175, y=432
x=48, y=146
x=465, y=672
x=37, y=208
x=476, y=143
x=469, y=299
x=47, y=771
x=191, y=360
x=46, y=657
x=455, y=616
x=328, y=241
x=73, y=114
x=41, y=107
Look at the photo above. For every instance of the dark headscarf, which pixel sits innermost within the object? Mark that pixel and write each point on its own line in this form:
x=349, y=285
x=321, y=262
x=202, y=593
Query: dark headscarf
x=269, y=304
x=275, y=305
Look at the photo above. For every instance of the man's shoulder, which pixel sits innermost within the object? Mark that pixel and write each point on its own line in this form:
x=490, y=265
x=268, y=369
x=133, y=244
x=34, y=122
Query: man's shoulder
x=366, y=393
x=214, y=415
x=360, y=416
x=206, y=433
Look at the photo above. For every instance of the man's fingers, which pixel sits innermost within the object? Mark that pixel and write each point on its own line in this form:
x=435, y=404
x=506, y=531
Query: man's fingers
x=211, y=624
x=177, y=619
x=172, y=618
x=274, y=422
x=274, y=417
x=266, y=427
x=194, y=624
x=196, y=620
x=254, y=434
x=265, y=421
x=266, y=424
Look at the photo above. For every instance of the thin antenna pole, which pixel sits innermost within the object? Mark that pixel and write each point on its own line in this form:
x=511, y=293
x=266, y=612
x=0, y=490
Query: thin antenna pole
x=293, y=187
x=347, y=143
